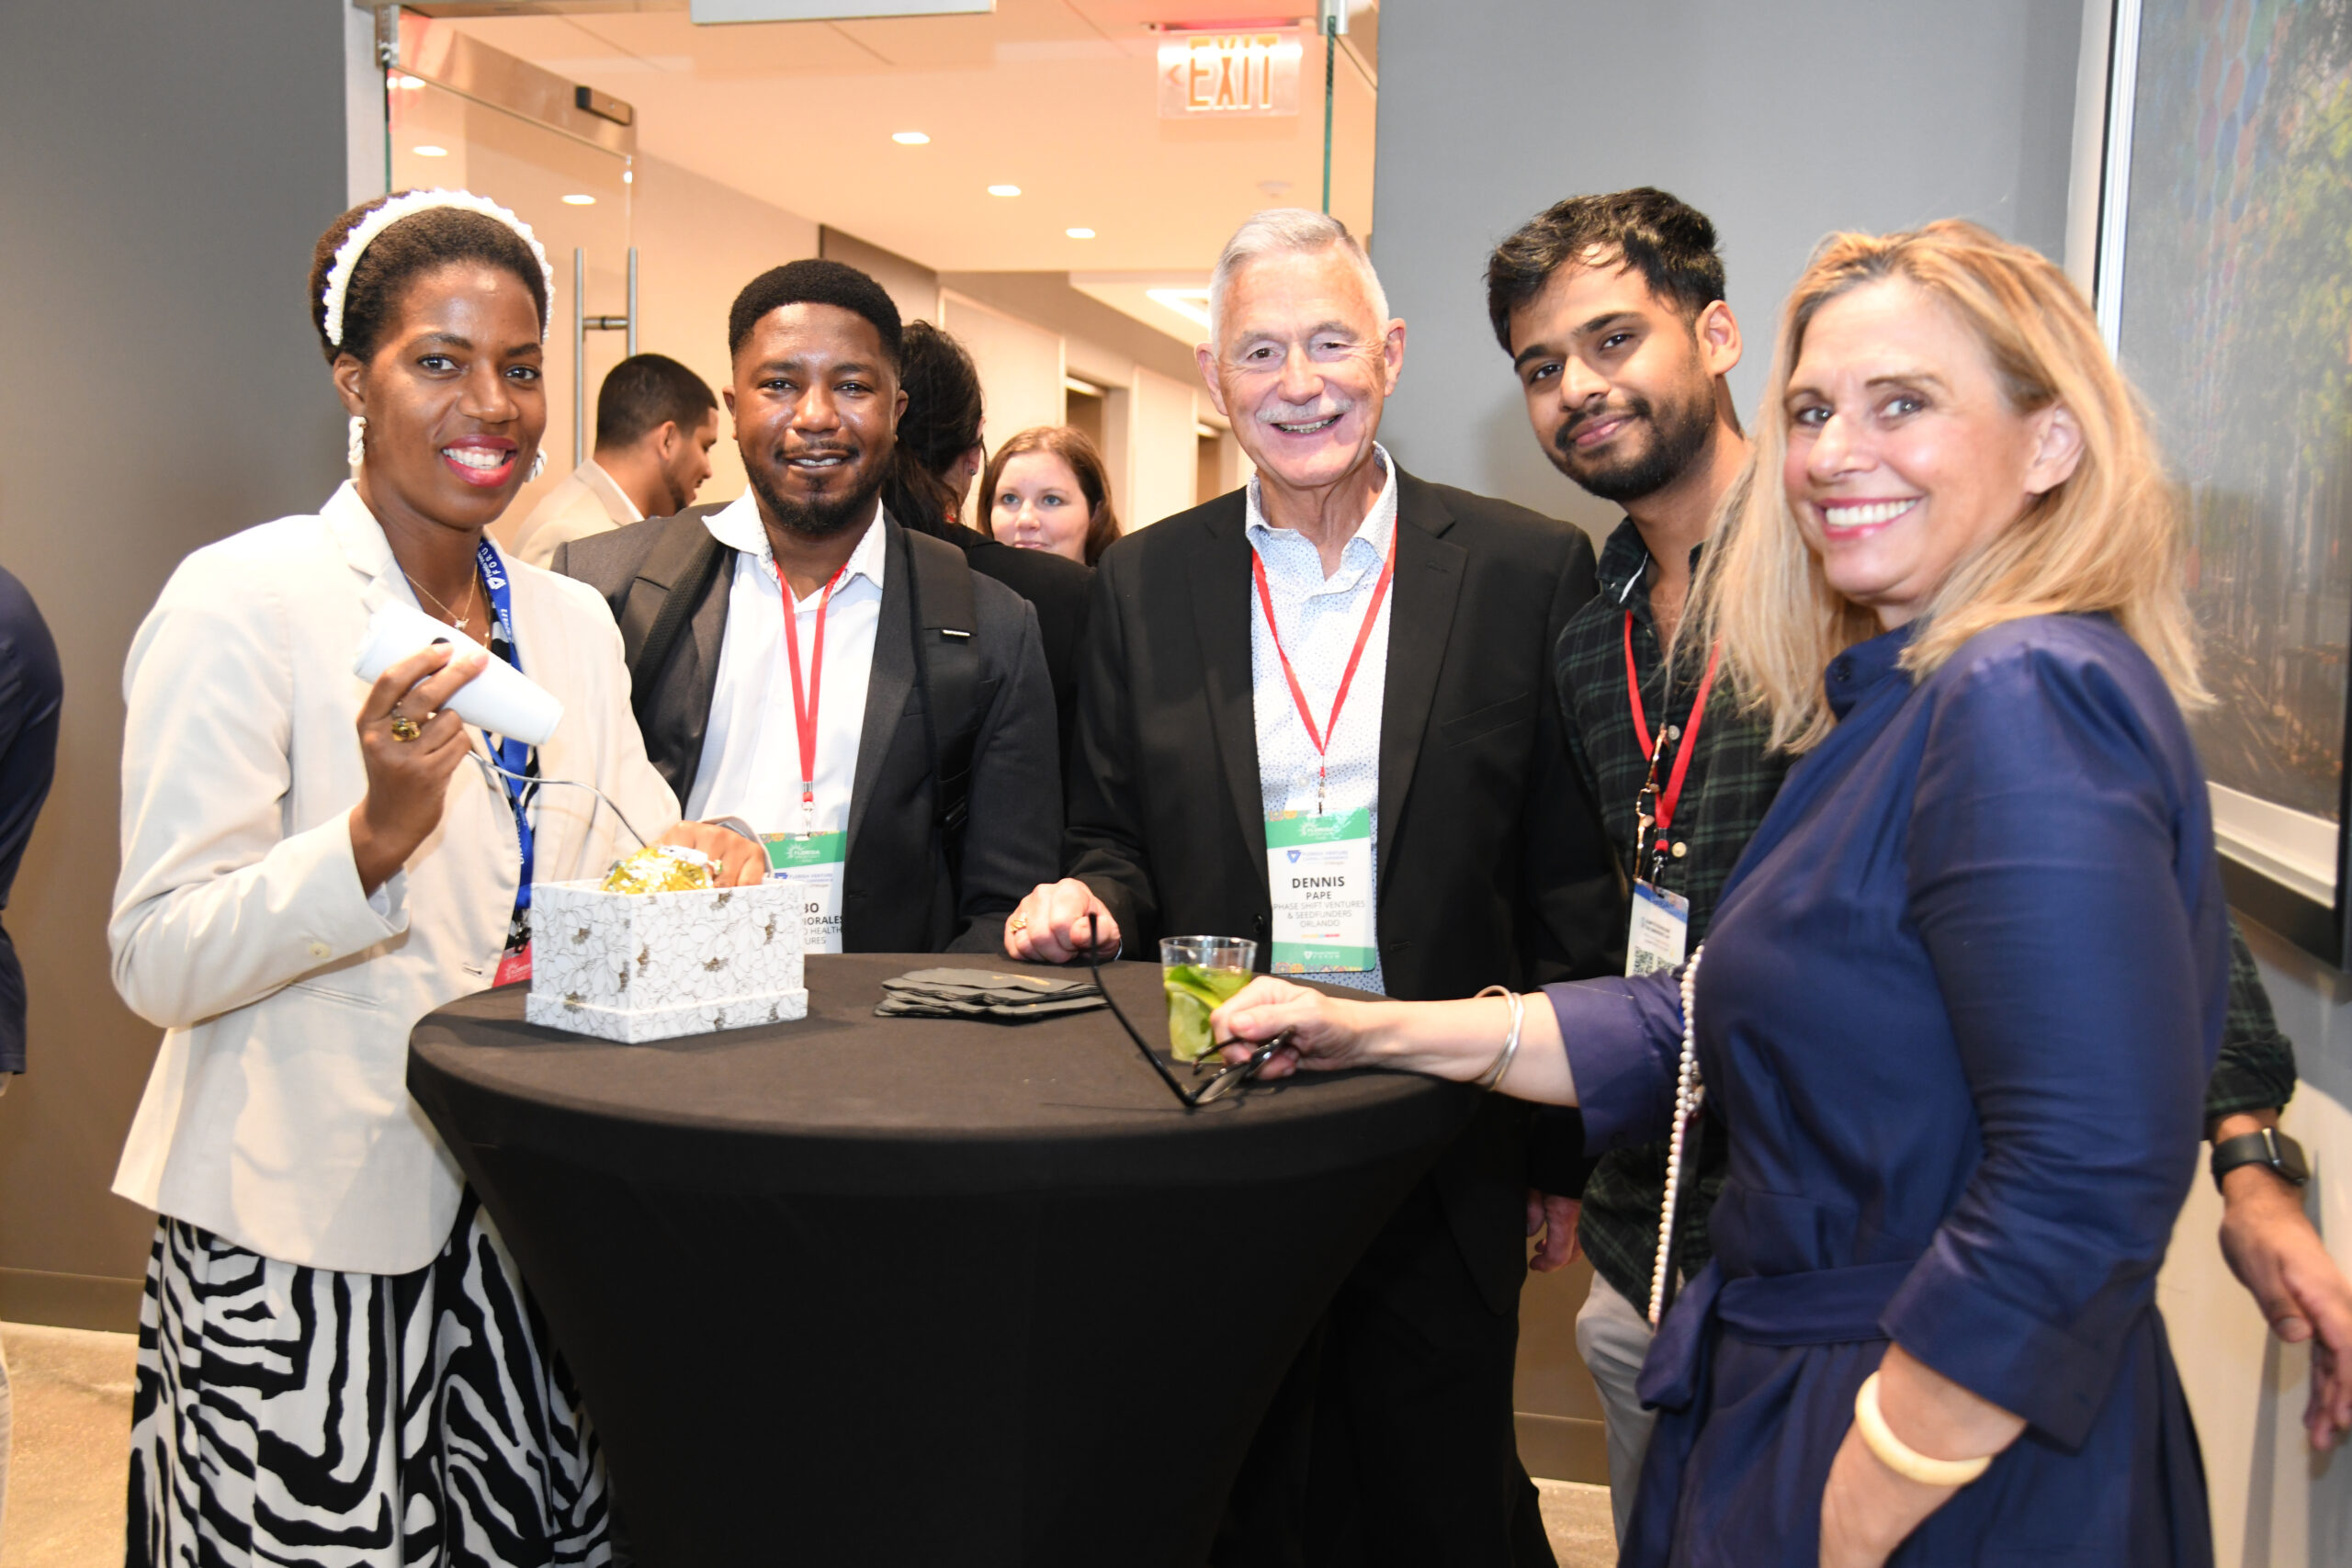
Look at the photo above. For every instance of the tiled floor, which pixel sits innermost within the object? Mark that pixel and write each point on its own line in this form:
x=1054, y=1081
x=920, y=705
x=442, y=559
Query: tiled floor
x=70, y=1393
x=1576, y=1518
x=72, y=1398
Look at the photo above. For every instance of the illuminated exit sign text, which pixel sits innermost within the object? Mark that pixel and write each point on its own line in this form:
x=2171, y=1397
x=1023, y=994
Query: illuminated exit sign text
x=1229, y=76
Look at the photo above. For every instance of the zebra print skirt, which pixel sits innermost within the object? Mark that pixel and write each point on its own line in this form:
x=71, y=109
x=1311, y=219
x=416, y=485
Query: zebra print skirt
x=287, y=1415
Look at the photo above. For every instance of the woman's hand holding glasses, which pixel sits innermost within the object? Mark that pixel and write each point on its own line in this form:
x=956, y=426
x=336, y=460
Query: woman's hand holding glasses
x=1325, y=1032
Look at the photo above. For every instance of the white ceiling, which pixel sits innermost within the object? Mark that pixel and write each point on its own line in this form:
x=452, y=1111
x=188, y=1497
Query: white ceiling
x=1056, y=96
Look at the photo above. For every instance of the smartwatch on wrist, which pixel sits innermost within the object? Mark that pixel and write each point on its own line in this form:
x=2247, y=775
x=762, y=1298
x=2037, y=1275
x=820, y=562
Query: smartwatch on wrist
x=2266, y=1146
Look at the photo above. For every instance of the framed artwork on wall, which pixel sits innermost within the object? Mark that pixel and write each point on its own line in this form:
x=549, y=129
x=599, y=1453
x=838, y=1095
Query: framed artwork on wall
x=2224, y=290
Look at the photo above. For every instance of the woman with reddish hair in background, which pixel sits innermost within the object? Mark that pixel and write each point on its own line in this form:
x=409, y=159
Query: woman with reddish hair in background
x=1046, y=490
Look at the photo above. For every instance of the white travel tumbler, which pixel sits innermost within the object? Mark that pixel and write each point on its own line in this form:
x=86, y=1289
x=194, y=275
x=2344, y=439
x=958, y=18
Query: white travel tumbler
x=501, y=699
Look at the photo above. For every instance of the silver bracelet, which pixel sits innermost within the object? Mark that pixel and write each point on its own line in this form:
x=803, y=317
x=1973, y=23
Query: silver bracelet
x=1503, y=1058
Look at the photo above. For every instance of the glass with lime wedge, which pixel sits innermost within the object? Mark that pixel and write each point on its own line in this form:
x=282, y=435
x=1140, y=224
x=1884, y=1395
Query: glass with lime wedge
x=1199, y=974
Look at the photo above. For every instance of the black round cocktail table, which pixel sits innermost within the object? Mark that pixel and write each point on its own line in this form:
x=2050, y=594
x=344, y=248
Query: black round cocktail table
x=858, y=1289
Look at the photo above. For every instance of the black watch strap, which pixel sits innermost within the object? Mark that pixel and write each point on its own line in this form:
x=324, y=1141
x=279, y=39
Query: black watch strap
x=2266, y=1147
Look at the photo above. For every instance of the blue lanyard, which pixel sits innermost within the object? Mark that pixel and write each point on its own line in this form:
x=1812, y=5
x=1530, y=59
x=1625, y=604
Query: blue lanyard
x=512, y=755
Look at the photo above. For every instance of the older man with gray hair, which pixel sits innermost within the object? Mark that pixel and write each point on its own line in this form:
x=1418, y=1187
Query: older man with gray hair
x=1344, y=657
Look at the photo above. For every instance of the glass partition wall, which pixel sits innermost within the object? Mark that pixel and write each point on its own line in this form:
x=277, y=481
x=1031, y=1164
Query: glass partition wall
x=460, y=115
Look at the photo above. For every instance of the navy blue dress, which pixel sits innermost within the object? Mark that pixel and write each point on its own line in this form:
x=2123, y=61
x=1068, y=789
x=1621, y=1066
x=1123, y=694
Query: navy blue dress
x=1958, y=1008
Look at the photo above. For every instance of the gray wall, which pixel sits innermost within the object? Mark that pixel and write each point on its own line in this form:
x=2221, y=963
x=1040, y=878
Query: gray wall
x=1782, y=122
x=169, y=167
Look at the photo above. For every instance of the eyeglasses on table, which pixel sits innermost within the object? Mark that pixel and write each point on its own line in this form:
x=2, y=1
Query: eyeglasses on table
x=1225, y=1082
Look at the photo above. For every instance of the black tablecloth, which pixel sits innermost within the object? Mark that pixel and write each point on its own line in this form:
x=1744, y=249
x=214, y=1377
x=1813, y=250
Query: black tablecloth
x=859, y=1290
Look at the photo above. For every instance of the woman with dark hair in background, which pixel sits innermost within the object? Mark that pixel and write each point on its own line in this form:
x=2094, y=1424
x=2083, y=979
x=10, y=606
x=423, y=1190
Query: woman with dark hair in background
x=1046, y=490
x=939, y=454
x=337, y=1361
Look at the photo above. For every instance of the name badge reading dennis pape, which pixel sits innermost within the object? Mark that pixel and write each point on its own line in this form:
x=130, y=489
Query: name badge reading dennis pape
x=1319, y=868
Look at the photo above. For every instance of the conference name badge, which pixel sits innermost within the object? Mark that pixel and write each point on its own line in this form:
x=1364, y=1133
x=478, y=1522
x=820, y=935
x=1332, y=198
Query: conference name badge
x=1318, y=867
x=1661, y=930
x=811, y=863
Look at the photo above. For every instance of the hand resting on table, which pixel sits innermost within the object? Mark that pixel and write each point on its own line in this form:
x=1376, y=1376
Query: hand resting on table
x=1448, y=1040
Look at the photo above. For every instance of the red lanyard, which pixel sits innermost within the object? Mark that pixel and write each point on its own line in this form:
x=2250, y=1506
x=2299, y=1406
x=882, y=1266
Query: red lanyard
x=805, y=701
x=1690, y=741
x=1322, y=740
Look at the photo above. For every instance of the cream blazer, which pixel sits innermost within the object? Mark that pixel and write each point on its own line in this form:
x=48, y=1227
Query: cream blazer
x=587, y=502
x=278, y=1114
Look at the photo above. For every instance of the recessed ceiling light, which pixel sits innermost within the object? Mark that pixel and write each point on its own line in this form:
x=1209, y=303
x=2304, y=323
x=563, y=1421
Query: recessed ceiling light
x=628, y=176
x=408, y=84
x=1005, y=190
x=430, y=151
x=910, y=138
x=1079, y=233
x=576, y=199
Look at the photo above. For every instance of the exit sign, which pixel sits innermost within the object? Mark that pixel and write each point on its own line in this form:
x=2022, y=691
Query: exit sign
x=1234, y=75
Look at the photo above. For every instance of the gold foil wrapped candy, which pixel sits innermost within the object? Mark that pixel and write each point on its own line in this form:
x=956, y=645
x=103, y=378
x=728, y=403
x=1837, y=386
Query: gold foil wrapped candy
x=660, y=868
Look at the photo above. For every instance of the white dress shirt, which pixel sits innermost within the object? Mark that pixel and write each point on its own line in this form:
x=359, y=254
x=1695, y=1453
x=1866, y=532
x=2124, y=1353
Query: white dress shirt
x=750, y=751
x=1320, y=618
x=587, y=502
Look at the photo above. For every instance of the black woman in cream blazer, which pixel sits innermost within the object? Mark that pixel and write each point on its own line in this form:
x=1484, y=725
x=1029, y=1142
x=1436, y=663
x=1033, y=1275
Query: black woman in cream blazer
x=337, y=1357
x=239, y=925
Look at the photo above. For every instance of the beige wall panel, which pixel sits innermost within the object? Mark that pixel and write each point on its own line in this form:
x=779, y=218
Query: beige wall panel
x=1020, y=366
x=697, y=243
x=1162, y=449
x=911, y=286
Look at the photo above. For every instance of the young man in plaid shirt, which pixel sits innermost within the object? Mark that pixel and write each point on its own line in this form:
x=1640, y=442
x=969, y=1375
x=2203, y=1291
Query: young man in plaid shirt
x=1612, y=310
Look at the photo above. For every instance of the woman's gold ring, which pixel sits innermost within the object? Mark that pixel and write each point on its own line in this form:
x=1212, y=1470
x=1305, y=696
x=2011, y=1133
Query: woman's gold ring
x=1020, y=923
x=405, y=728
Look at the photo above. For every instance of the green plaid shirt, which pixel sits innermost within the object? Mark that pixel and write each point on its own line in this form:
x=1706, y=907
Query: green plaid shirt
x=1730, y=785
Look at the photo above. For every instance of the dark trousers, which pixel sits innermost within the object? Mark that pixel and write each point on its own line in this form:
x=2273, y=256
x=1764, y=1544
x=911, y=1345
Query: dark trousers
x=1391, y=1440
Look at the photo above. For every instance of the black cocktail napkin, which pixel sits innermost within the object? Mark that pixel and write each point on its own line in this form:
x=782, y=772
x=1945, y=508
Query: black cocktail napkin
x=993, y=996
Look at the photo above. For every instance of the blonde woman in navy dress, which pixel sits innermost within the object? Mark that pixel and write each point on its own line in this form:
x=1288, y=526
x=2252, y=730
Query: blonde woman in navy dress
x=337, y=1364
x=1962, y=996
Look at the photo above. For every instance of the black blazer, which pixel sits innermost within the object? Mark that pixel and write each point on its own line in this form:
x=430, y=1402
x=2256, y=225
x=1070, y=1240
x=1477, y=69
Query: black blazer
x=897, y=896
x=1054, y=587
x=1057, y=590
x=1493, y=869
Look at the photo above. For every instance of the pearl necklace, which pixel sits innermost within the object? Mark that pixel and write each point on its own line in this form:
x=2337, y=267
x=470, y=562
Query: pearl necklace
x=1689, y=1094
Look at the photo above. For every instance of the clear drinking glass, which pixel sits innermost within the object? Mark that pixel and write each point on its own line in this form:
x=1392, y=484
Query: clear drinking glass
x=1199, y=974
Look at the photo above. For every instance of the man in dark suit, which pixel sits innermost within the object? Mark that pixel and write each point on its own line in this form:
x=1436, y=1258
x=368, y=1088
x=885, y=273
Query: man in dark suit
x=1348, y=663
x=847, y=689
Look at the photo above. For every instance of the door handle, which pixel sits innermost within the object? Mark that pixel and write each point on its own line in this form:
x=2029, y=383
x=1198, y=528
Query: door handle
x=582, y=323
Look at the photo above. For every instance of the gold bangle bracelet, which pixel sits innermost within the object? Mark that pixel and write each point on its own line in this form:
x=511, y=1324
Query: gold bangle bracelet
x=1901, y=1457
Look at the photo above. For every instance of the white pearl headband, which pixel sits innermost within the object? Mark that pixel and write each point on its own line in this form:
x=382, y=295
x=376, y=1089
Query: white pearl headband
x=407, y=205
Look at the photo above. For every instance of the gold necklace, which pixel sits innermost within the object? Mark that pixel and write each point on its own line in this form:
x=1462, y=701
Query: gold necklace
x=473, y=593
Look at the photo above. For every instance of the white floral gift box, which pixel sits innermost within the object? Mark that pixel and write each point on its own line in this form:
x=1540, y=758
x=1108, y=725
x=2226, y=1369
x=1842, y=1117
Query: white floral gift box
x=639, y=966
